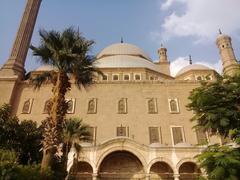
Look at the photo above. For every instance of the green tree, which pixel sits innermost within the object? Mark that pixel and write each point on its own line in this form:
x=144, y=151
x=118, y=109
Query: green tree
x=30, y=136
x=9, y=126
x=22, y=137
x=74, y=132
x=217, y=110
x=10, y=169
x=67, y=52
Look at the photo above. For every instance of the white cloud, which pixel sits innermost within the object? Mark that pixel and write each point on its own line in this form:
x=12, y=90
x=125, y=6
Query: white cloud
x=169, y=3
x=181, y=62
x=178, y=64
x=201, y=19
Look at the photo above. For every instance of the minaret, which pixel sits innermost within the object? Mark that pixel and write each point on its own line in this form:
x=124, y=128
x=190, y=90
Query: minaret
x=163, y=60
x=15, y=64
x=162, y=52
x=229, y=61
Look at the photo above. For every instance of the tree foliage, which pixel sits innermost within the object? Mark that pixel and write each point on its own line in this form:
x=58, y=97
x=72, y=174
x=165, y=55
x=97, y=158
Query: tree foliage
x=217, y=110
x=68, y=53
x=9, y=126
x=217, y=106
x=10, y=169
x=74, y=132
x=22, y=137
x=221, y=162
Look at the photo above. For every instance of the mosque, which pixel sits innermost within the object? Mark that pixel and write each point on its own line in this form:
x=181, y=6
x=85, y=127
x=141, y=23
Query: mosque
x=136, y=111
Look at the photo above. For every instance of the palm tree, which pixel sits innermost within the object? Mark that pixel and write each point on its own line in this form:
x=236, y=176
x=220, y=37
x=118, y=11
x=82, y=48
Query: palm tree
x=74, y=132
x=67, y=52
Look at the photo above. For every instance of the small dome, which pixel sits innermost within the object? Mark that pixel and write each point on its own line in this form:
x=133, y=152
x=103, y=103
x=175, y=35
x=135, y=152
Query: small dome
x=193, y=67
x=44, y=68
x=123, y=49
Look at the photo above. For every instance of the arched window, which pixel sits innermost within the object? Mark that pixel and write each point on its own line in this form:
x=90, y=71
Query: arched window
x=71, y=106
x=152, y=106
x=92, y=106
x=27, y=105
x=173, y=105
x=199, y=78
x=47, y=106
x=122, y=106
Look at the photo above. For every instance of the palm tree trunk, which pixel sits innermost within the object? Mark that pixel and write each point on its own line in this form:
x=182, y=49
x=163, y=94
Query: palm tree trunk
x=47, y=159
x=54, y=124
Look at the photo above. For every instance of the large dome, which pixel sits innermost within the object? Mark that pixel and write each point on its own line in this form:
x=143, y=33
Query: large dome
x=123, y=55
x=124, y=61
x=122, y=49
x=193, y=67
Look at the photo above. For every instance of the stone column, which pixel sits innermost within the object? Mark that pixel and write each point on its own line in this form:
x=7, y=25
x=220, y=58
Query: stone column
x=94, y=176
x=176, y=176
x=15, y=63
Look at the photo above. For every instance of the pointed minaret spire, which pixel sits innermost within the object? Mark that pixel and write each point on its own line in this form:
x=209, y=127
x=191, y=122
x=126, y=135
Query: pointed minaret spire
x=78, y=31
x=121, y=39
x=190, y=59
x=219, y=30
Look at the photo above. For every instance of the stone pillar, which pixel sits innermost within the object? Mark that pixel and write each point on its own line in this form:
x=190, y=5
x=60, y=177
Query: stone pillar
x=176, y=176
x=94, y=176
x=15, y=64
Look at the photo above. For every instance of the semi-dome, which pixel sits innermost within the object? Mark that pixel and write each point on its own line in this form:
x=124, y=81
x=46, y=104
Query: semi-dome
x=193, y=67
x=123, y=49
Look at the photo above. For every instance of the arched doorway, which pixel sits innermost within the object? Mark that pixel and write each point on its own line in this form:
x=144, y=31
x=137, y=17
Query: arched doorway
x=161, y=170
x=81, y=170
x=121, y=165
x=189, y=171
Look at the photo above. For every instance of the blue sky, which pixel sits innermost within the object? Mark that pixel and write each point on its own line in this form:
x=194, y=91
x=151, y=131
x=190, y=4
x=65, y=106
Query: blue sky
x=183, y=26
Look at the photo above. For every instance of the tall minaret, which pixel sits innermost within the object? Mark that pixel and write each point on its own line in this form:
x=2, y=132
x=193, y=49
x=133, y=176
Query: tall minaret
x=229, y=60
x=163, y=60
x=15, y=64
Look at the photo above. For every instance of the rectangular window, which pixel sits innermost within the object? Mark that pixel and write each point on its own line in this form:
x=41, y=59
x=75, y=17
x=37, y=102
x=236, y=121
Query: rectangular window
x=115, y=77
x=201, y=136
x=92, y=134
x=126, y=77
x=104, y=77
x=137, y=77
x=154, y=134
x=177, y=135
x=122, y=131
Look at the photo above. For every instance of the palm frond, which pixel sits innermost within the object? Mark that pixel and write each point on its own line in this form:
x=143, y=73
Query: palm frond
x=75, y=130
x=42, y=78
